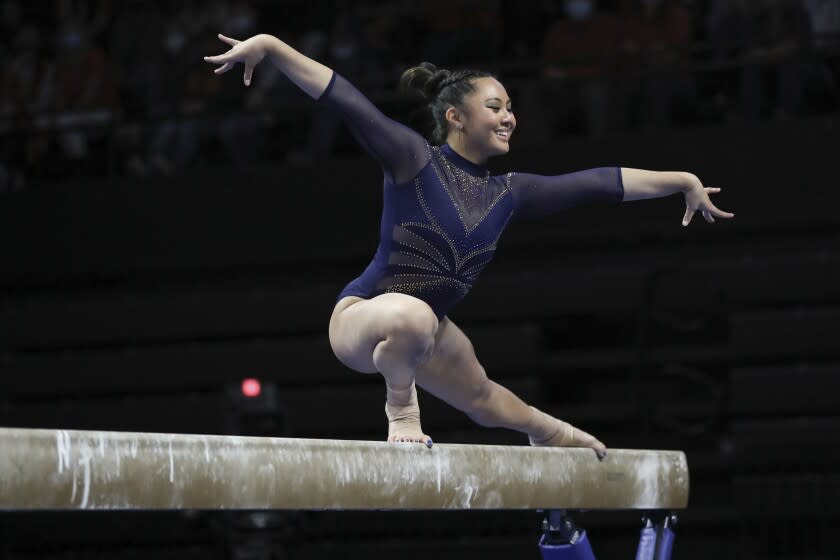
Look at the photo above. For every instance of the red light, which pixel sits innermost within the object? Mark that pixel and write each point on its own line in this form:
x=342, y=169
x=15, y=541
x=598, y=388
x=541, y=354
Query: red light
x=251, y=387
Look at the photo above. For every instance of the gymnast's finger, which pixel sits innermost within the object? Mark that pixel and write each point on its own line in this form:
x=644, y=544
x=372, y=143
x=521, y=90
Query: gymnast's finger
x=222, y=69
x=708, y=216
x=228, y=40
x=689, y=213
x=219, y=58
x=721, y=214
x=249, y=72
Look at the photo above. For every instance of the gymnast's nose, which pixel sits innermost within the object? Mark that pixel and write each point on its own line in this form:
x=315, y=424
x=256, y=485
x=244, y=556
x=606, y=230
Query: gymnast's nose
x=508, y=119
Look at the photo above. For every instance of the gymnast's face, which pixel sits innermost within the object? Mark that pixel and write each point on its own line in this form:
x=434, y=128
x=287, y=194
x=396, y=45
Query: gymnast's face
x=487, y=119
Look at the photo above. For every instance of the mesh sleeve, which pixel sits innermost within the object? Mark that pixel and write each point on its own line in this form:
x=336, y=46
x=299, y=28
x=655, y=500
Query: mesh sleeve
x=541, y=195
x=401, y=151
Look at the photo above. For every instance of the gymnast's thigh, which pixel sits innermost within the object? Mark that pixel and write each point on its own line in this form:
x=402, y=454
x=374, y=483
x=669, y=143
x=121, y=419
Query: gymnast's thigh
x=453, y=373
x=357, y=325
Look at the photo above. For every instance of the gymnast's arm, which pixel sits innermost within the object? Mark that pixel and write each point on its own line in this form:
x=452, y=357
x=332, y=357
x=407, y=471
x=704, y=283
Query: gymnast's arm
x=400, y=150
x=541, y=195
x=640, y=184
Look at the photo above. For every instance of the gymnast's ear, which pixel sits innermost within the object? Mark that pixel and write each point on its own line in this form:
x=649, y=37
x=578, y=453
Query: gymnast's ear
x=455, y=118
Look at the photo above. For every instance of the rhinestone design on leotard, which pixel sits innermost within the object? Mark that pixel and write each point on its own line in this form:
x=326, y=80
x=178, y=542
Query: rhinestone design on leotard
x=473, y=197
x=419, y=267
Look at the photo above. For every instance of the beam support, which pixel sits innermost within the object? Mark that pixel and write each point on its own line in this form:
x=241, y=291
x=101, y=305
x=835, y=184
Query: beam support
x=66, y=469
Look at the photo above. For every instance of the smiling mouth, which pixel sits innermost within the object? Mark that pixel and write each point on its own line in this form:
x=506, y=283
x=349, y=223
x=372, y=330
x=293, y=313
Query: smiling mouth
x=503, y=134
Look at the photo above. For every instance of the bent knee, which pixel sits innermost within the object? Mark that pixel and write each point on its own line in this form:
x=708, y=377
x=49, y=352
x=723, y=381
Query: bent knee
x=411, y=318
x=412, y=325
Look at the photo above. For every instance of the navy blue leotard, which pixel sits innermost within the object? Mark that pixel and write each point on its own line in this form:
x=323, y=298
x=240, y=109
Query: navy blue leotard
x=443, y=215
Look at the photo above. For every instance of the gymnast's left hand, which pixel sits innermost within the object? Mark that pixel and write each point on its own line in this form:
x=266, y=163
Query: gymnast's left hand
x=697, y=200
x=249, y=52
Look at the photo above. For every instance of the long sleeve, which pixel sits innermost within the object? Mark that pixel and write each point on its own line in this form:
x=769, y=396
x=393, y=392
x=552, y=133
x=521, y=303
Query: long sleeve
x=542, y=195
x=401, y=151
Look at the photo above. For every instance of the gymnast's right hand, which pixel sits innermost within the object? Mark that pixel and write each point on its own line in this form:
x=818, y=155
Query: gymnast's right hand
x=249, y=52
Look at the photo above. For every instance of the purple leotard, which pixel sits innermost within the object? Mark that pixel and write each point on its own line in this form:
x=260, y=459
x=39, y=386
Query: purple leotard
x=443, y=215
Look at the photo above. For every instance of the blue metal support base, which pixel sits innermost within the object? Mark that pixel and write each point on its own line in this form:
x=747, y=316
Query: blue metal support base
x=647, y=544
x=657, y=538
x=578, y=550
x=561, y=540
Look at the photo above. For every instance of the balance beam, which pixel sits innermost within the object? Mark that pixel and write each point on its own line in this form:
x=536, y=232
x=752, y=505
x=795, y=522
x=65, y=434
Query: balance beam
x=68, y=470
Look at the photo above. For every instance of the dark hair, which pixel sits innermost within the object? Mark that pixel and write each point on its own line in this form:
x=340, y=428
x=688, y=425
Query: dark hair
x=440, y=89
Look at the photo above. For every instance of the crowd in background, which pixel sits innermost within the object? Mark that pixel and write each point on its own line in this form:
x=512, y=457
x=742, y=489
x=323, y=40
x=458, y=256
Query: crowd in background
x=98, y=87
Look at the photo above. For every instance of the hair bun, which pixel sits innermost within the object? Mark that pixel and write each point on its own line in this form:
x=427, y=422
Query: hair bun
x=425, y=79
x=437, y=82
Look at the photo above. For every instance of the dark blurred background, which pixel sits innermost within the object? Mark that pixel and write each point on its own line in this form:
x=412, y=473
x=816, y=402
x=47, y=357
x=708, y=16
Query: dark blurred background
x=167, y=233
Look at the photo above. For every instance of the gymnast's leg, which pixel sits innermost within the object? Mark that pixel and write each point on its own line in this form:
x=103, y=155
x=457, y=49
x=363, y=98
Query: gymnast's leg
x=454, y=375
x=392, y=334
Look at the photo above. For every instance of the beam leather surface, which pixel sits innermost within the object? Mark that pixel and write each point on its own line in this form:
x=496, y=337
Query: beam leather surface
x=66, y=469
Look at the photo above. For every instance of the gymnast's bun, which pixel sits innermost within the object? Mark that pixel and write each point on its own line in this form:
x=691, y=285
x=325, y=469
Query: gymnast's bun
x=425, y=79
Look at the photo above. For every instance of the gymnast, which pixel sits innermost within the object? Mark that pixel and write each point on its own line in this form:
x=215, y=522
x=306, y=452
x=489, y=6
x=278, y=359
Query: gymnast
x=442, y=218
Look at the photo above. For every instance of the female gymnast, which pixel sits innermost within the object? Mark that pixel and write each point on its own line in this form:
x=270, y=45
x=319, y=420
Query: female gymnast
x=443, y=215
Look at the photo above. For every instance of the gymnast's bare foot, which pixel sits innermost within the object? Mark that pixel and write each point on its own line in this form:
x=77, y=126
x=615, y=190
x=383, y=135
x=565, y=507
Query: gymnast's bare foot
x=404, y=417
x=556, y=433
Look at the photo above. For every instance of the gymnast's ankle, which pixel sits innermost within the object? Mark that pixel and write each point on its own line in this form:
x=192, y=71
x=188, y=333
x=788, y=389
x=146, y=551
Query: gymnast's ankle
x=548, y=431
x=403, y=412
x=545, y=430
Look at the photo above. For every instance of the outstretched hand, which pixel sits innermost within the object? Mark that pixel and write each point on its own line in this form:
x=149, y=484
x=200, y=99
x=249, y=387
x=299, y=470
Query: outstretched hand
x=249, y=52
x=697, y=199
